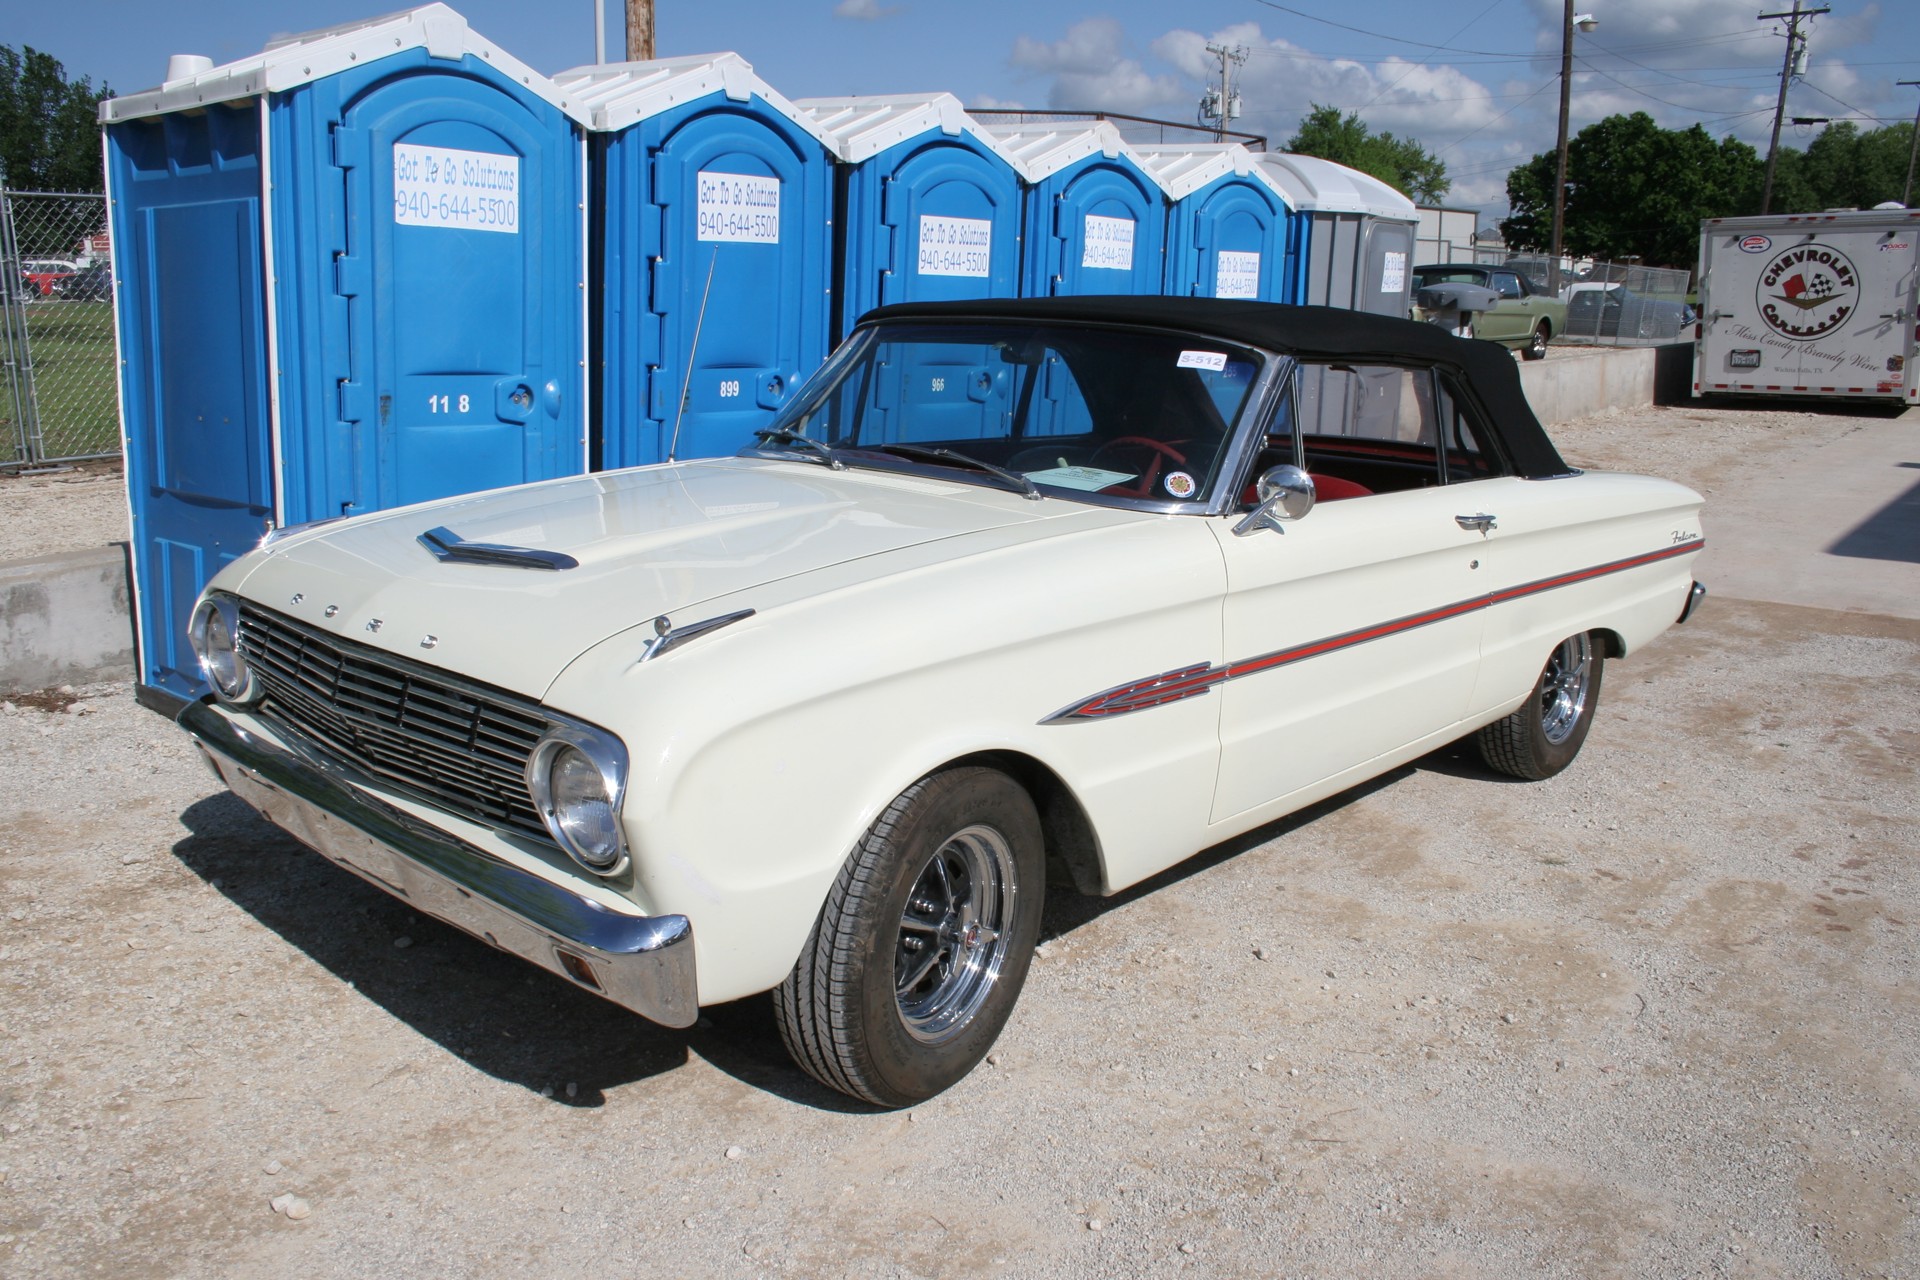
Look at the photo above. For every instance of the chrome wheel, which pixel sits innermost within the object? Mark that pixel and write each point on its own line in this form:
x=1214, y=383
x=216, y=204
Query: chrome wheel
x=953, y=938
x=1563, y=688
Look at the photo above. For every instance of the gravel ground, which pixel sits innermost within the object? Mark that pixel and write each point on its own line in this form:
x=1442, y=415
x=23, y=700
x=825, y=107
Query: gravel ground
x=1655, y=1017
x=66, y=509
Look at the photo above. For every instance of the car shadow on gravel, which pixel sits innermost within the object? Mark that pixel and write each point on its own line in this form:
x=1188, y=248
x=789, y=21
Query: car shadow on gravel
x=501, y=1015
x=1067, y=910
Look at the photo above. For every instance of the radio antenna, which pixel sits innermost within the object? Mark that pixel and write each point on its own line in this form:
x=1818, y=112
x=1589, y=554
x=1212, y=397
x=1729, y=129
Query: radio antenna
x=673, y=442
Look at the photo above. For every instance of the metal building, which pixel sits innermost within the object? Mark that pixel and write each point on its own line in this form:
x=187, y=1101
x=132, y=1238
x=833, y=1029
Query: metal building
x=712, y=202
x=350, y=275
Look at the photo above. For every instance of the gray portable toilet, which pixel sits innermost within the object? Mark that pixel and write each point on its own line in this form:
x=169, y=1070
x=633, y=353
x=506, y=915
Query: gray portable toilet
x=927, y=203
x=1229, y=223
x=349, y=274
x=713, y=206
x=1357, y=247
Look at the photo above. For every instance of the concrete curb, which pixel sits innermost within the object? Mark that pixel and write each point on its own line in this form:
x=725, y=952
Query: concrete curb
x=1603, y=378
x=65, y=619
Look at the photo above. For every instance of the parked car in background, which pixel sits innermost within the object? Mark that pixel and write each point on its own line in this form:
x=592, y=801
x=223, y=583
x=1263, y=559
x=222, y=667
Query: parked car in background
x=1526, y=318
x=1599, y=310
x=1010, y=593
x=42, y=275
x=89, y=284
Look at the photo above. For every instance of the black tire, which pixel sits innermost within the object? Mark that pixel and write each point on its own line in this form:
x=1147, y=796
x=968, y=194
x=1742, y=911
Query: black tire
x=877, y=1006
x=1537, y=349
x=1544, y=735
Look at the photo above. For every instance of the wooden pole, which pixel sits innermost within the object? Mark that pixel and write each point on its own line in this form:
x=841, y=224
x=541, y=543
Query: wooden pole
x=639, y=30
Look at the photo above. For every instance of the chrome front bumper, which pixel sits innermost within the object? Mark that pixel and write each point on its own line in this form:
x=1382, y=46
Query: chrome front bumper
x=642, y=963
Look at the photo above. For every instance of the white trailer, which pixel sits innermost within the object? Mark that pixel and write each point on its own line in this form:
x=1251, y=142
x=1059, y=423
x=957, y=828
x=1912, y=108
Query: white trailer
x=1810, y=304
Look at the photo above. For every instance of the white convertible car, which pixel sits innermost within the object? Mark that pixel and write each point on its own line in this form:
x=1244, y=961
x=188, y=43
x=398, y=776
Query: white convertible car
x=1010, y=593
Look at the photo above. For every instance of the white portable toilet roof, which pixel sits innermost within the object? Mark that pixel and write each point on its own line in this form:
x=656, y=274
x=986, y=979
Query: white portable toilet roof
x=1184, y=168
x=1045, y=149
x=619, y=94
x=864, y=126
x=1322, y=186
x=315, y=55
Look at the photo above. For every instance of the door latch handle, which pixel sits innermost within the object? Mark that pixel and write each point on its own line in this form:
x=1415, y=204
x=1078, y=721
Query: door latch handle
x=1481, y=521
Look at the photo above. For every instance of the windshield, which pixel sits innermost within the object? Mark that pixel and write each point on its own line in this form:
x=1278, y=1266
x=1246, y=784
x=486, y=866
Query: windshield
x=1099, y=414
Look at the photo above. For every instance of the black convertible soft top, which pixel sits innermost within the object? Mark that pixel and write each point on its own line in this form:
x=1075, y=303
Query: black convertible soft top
x=1486, y=369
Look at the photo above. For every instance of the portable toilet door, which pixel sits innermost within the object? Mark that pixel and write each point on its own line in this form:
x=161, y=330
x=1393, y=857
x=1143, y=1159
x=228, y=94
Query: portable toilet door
x=350, y=275
x=927, y=207
x=927, y=203
x=715, y=197
x=1096, y=219
x=1357, y=247
x=1228, y=225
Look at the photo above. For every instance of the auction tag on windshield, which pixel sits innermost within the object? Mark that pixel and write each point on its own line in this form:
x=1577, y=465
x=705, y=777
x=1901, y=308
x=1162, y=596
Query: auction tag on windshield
x=1087, y=479
x=1214, y=360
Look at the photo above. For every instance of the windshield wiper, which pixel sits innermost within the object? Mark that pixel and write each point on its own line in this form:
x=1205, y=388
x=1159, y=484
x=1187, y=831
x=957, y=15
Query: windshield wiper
x=1026, y=487
x=786, y=435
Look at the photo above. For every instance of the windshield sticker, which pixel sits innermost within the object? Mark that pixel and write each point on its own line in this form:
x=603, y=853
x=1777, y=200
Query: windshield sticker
x=1214, y=360
x=1108, y=243
x=1236, y=274
x=1180, y=484
x=955, y=246
x=1086, y=479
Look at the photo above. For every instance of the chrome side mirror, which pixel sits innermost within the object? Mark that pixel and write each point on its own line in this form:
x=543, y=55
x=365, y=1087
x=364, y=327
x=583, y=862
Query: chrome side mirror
x=1286, y=493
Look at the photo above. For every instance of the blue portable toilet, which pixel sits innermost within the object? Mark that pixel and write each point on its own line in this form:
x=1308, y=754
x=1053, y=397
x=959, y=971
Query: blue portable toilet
x=1228, y=223
x=1355, y=235
x=926, y=203
x=713, y=197
x=1096, y=219
x=349, y=275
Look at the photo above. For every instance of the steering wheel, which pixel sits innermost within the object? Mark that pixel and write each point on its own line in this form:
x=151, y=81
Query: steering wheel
x=1163, y=452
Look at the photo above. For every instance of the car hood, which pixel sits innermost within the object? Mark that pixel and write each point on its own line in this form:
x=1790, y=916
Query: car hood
x=649, y=542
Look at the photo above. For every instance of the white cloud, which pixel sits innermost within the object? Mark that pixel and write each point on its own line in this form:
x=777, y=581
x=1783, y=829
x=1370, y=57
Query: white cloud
x=864, y=10
x=1681, y=61
x=1090, y=71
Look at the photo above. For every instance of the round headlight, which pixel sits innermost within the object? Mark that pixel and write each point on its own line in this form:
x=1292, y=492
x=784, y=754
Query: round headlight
x=577, y=776
x=215, y=635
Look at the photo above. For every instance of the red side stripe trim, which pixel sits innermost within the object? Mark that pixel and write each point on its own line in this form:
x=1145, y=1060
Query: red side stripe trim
x=1189, y=682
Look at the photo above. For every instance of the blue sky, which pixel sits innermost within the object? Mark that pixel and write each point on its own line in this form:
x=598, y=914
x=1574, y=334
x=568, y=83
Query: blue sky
x=1474, y=81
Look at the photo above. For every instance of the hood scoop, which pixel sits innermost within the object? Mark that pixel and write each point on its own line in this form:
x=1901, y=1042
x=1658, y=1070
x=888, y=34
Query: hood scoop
x=451, y=547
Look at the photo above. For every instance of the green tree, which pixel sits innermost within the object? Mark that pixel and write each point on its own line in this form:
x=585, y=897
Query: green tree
x=1843, y=168
x=1634, y=190
x=1399, y=162
x=49, y=131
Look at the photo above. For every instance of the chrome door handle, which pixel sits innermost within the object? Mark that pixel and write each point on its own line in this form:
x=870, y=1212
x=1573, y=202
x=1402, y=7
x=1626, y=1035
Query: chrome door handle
x=1481, y=522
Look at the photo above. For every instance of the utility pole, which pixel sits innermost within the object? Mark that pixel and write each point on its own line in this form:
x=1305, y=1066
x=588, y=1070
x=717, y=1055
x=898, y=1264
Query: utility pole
x=1913, y=151
x=1794, y=64
x=1222, y=104
x=1568, y=21
x=640, y=30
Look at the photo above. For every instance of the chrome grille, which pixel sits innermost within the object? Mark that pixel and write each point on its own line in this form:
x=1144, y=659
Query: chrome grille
x=460, y=745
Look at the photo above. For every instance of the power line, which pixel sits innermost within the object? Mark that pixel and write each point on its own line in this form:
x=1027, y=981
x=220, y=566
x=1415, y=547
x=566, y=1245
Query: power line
x=1796, y=63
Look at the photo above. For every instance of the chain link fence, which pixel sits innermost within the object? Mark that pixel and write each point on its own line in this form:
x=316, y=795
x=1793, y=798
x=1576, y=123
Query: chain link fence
x=1612, y=303
x=58, y=398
